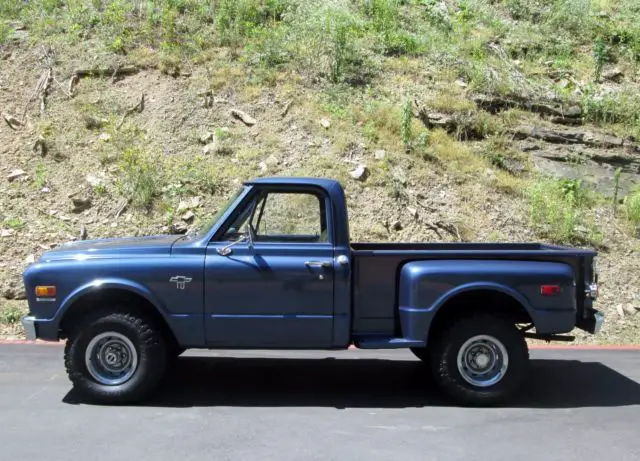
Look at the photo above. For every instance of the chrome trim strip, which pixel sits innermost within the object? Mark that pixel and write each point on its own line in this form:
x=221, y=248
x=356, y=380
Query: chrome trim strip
x=46, y=300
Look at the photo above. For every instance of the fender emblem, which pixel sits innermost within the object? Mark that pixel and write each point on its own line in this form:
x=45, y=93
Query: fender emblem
x=180, y=281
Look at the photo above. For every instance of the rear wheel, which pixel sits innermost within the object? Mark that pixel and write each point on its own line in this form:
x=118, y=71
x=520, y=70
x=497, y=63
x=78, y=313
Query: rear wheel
x=115, y=357
x=480, y=360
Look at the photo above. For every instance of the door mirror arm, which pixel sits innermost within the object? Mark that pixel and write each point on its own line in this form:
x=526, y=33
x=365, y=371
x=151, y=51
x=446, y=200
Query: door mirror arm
x=226, y=250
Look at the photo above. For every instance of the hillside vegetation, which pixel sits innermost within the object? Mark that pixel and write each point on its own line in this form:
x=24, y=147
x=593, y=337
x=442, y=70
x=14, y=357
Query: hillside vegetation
x=449, y=120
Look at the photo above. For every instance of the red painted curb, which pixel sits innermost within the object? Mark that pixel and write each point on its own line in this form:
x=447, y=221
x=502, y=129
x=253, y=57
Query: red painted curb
x=589, y=347
x=35, y=343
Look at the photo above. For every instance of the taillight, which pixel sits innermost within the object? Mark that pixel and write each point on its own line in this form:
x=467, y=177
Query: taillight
x=550, y=290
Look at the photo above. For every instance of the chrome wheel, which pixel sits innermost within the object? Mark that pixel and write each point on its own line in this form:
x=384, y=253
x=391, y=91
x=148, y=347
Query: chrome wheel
x=483, y=361
x=111, y=358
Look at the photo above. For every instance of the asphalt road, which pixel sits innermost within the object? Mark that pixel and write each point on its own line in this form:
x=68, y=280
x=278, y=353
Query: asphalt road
x=298, y=406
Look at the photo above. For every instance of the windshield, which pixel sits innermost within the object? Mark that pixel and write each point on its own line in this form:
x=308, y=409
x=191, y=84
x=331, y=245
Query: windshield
x=208, y=223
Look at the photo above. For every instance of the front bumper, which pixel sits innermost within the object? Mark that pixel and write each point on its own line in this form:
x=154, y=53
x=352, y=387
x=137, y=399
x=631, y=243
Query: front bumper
x=29, y=325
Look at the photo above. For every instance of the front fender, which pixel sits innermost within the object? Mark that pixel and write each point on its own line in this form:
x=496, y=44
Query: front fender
x=104, y=284
x=426, y=286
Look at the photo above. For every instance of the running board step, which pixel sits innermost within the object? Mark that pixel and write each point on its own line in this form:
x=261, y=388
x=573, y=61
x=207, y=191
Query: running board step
x=385, y=342
x=562, y=338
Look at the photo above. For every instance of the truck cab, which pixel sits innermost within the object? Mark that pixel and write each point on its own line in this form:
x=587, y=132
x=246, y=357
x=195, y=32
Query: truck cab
x=275, y=268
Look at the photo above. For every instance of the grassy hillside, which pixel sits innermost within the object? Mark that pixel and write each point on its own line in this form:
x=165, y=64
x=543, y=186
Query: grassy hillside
x=513, y=120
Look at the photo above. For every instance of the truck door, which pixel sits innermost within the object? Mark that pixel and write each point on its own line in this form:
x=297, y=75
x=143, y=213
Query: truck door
x=269, y=275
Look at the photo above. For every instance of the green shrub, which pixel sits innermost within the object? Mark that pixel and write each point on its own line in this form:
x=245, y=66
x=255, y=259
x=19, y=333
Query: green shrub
x=614, y=108
x=236, y=19
x=557, y=210
x=5, y=32
x=530, y=10
x=140, y=178
x=572, y=16
x=600, y=58
x=632, y=206
x=11, y=315
x=340, y=30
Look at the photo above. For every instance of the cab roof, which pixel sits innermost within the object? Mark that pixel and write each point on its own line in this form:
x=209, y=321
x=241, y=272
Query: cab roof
x=324, y=183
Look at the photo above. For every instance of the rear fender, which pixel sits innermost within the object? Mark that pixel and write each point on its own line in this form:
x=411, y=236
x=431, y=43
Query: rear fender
x=426, y=287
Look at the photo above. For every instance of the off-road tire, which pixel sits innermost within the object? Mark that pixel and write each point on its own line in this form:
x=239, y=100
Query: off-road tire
x=147, y=339
x=444, y=354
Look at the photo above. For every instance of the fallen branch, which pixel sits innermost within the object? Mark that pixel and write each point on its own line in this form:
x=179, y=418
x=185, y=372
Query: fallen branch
x=72, y=81
x=106, y=71
x=139, y=107
x=67, y=94
x=121, y=207
x=13, y=122
x=44, y=91
x=43, y=85
x=449, y=228
x=287, y=106
x=434, y=229
x=115, y=74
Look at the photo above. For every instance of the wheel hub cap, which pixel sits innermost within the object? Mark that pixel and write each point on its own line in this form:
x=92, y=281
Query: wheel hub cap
x=482, y=361
x=111, y=358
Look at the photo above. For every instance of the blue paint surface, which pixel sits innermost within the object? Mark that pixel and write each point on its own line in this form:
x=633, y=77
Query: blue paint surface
x=264, y=295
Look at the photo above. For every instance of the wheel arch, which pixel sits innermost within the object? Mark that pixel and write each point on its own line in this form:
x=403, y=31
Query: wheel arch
x=111, y=292
x=478, y=299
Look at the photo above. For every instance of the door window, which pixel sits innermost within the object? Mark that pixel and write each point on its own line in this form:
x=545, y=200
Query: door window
x=283, y=217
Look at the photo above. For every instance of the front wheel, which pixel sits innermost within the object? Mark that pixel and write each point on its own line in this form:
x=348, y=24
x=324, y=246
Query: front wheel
x=115, y=357
x=480, y=360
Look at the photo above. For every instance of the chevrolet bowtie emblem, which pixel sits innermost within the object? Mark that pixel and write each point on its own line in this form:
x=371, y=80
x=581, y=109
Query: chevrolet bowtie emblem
x=180, y=281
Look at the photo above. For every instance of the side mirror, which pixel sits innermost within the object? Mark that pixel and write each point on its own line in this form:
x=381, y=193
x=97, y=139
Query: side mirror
x=226, y=250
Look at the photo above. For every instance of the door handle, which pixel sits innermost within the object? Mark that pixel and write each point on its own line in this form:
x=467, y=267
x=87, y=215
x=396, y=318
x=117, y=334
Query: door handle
x=317, y=263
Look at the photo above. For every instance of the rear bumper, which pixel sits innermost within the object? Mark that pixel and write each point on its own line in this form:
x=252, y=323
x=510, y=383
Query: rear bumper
x=29, y=325
x=593, y=323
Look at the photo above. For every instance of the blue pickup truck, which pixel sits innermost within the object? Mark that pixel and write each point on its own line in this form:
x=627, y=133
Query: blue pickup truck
x=274, y=268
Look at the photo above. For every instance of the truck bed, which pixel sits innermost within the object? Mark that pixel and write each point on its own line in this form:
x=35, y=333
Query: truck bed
x=375, y=265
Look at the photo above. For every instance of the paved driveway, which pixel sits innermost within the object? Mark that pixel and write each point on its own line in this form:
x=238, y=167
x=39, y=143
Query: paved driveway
x=298, y=406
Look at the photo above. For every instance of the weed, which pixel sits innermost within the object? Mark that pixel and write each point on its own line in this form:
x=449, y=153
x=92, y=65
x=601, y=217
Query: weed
x=423, y=138
x=40, y=176
x=5, y=32
x=117, y=45
x=621, y=108
x=405, y=123
x=600, y=58
x=530, y=10
x=11, y=315
x=140, y=178
x=616, y=186
x=340, y=49
x=14, y=223
x=557, y=211
x=370, y=132
x=632, y=206
x=438, y=15
x=100, y=189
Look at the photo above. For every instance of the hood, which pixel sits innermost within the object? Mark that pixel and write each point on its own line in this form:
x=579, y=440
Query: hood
x=112, y=247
